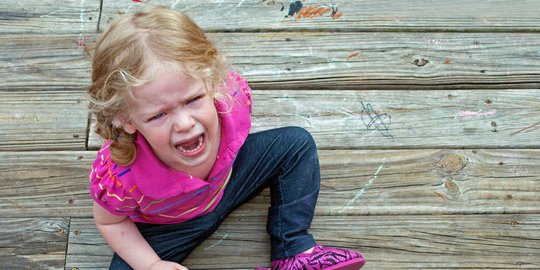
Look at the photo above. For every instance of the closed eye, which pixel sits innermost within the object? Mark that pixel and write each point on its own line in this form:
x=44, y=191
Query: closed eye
x=194, y=99
x=157, y=116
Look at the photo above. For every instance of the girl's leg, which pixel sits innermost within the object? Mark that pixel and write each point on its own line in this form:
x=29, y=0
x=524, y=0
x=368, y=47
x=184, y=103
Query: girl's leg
x=286, y=160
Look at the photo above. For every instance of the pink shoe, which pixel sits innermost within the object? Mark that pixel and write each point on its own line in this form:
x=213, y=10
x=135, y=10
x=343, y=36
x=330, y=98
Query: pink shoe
x=322, y=258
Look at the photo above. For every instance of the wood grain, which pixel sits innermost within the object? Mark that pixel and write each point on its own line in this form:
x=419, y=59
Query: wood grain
x=38, y=120
x=384, y=61
x=343, y=15
x=354, y=182
x=33, y=243
x=423, y=182
x=43, y=62
x=296, y=60
x=405, y=119
x=401, y=119
x=387, y=242
x=426, y=114
x=45, y=184
x=49, y=16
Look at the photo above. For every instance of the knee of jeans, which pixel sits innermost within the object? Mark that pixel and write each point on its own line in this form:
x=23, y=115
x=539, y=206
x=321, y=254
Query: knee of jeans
x=300, y=136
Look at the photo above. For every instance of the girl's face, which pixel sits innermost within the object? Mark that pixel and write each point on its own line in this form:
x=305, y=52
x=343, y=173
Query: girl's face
x=179, y=120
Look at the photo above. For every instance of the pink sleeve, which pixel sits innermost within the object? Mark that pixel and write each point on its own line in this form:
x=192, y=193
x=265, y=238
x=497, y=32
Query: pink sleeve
x=110, y=185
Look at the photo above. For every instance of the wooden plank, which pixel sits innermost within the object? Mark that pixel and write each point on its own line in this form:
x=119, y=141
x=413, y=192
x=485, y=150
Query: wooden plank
x=33, y=243
x=354, y=182
x=342, y=15
x=86, y=248
x=45, y=184
x=431, y=181
x=402, y=119
x=33, y=120
x=387, y=242
x=313, y=61
x=406, y=119
x=43, y=62
x=49, y=16
x=389, y=61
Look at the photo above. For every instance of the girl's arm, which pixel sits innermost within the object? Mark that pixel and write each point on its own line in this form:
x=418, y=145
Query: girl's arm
x=125, y=239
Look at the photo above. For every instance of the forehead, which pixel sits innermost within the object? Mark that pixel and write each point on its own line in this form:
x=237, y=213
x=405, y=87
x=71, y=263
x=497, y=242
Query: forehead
x=165, y=88
x=166, y=80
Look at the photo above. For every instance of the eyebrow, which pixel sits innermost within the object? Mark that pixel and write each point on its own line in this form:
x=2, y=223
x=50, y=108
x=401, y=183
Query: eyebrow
x=195, y=93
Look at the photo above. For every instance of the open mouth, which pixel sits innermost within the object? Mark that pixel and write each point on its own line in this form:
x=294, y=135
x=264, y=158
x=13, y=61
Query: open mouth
x=191, y=146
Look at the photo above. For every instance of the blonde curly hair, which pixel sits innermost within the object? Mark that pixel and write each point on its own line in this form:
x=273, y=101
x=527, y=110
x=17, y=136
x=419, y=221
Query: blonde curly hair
x=131, y=52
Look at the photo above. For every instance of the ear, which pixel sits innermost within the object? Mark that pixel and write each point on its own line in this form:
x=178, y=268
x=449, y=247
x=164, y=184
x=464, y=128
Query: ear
x=125, y=123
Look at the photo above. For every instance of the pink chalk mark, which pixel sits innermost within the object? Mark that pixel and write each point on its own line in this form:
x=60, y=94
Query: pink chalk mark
x=79, y=42
x=469, y=114
x=141, y=1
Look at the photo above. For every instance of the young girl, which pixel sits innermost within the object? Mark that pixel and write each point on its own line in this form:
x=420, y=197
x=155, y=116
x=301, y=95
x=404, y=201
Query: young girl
x=178, y=156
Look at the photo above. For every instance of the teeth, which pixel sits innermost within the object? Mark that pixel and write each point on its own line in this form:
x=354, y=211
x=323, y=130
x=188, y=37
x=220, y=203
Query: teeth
x=194, y=149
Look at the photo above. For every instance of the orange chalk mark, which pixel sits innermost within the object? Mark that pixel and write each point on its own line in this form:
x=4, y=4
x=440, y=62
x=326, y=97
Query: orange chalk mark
x=353, y=55
x=312, y=12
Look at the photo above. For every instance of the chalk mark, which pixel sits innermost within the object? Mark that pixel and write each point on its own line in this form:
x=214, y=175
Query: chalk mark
x=294, y=8
x=374, y=120
x=363, y=189
x=471, y=114
x=240, y=3
x=527, y=129
x=299, y=11
x=49, y=14
x=218, y=242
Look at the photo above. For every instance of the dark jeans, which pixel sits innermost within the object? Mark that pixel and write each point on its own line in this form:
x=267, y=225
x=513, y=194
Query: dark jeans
x=284, y=159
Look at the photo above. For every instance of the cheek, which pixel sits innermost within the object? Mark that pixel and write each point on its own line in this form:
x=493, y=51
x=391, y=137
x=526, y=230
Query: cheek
x=157, y=136
x=210, y=115
x=214, y=119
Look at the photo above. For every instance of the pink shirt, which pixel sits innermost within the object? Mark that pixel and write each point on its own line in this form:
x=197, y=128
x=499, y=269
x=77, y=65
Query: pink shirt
x=149, y=191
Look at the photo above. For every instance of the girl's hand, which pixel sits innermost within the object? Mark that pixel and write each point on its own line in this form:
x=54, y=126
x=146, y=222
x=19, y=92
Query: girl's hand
x=165, y=265
x=124, y=238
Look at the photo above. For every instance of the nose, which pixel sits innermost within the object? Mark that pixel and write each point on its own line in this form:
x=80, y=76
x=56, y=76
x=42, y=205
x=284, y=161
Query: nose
x=183, y=122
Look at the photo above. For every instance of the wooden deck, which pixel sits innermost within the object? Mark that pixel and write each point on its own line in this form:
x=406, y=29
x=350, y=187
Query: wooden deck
x=426, y=114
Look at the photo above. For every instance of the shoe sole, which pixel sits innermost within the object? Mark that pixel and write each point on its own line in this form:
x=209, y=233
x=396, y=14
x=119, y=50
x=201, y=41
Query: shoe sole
x=353, y=264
